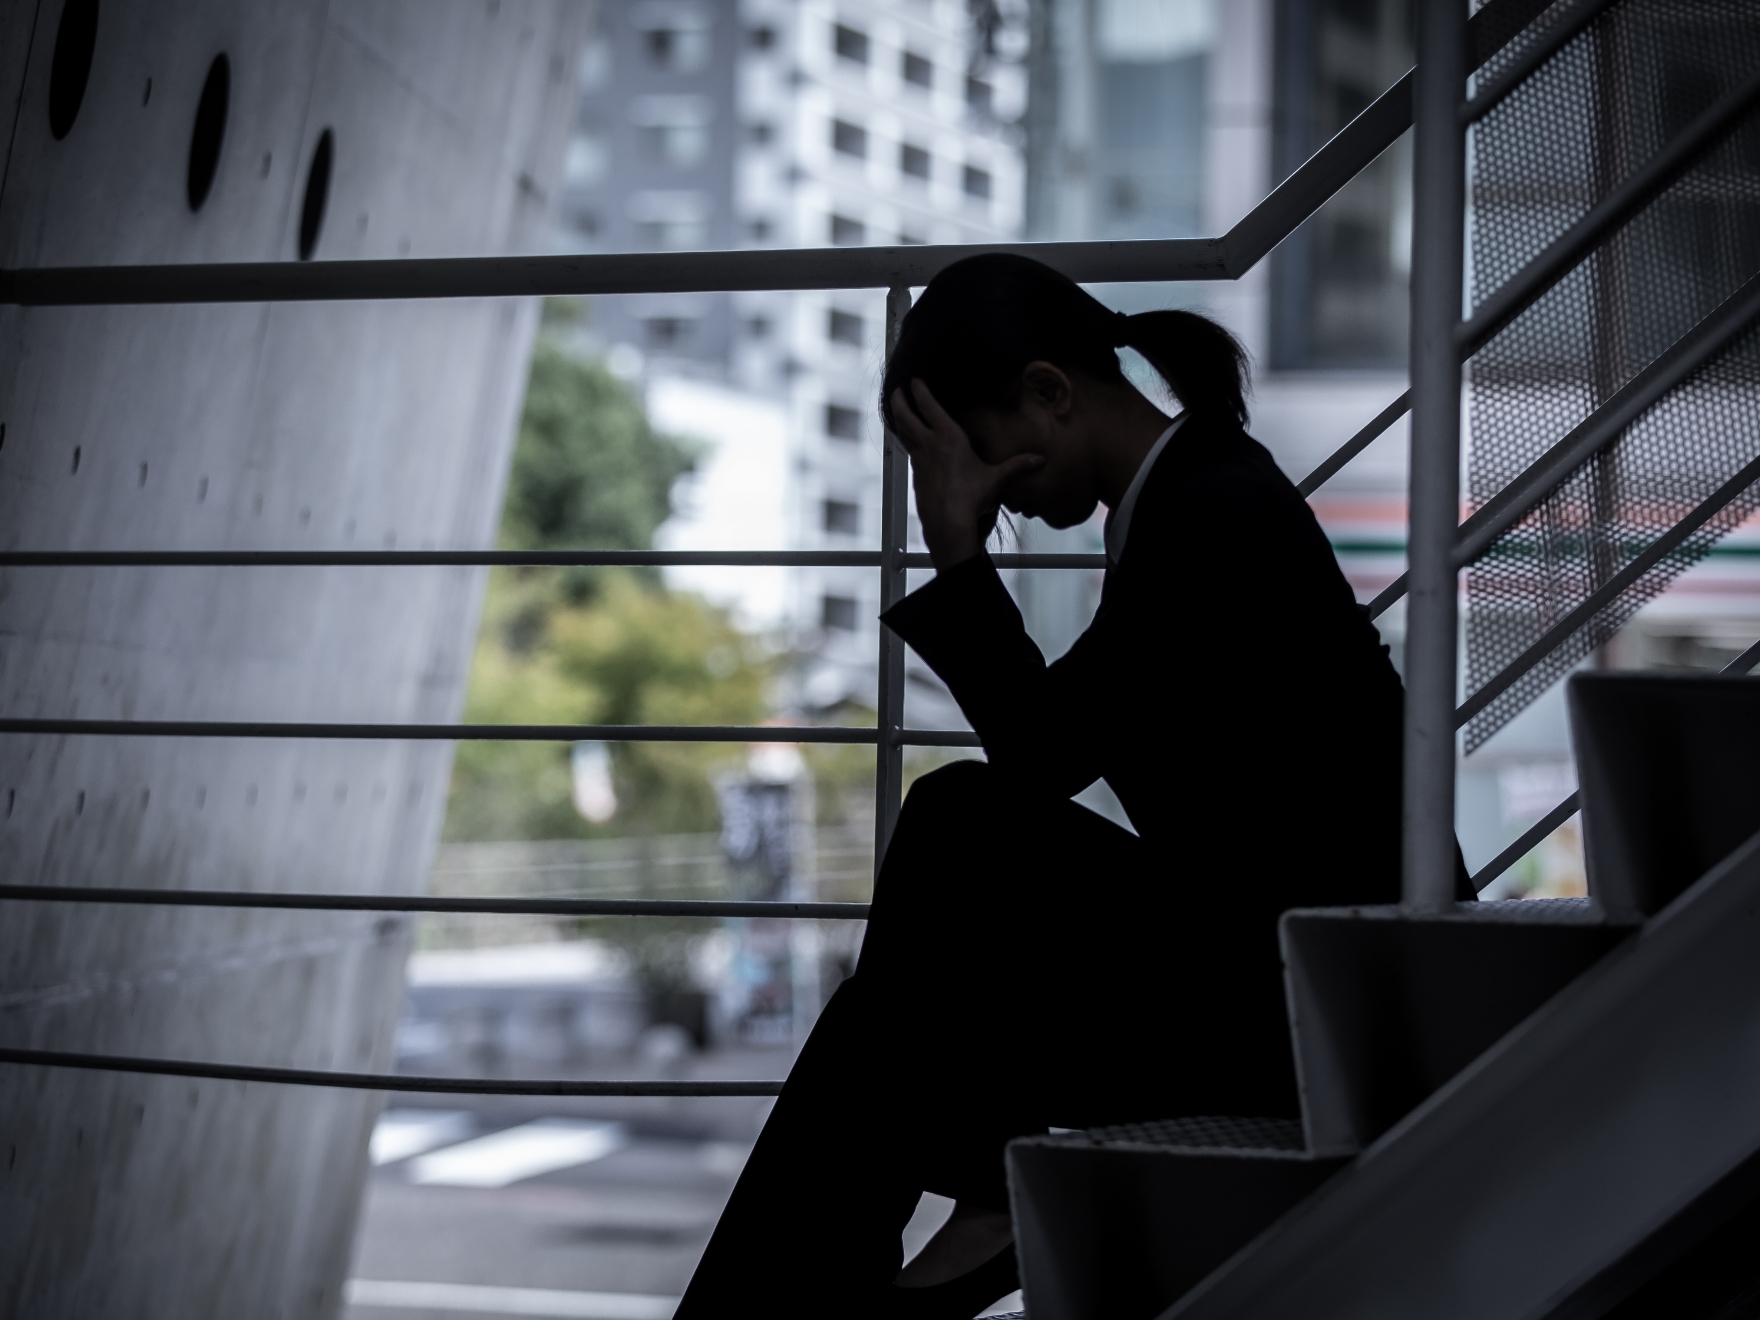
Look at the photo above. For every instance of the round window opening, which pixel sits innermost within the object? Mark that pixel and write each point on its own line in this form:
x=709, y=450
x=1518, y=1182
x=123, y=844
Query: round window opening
x=71, y=66
x=209, y=131
x=311, y=212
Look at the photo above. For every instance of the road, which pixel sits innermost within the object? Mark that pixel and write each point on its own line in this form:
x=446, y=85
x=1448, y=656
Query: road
x=596, y=1209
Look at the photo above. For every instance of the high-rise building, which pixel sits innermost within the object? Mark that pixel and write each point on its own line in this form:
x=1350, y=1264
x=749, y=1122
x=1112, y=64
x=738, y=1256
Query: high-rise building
x=772, y=124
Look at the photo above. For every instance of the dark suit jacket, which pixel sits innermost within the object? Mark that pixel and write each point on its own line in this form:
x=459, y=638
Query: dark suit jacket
x=1230, y=690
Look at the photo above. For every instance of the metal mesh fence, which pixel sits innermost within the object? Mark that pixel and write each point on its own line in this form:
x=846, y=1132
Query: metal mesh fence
x=1604, y=105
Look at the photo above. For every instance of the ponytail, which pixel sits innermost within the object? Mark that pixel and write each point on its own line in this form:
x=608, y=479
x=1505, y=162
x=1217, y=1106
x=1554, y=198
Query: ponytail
x=1202, y=363
x=982, y=320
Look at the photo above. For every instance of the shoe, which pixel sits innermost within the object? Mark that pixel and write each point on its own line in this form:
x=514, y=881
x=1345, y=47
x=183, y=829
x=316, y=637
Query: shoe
x=960, y=1298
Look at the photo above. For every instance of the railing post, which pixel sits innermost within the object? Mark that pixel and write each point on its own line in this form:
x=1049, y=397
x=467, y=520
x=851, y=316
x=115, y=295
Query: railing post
x=894, y=529
x=1439, y=231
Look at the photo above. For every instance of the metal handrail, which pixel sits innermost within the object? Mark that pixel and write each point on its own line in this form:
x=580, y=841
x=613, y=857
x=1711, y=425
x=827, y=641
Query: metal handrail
x=355, y=1081
x=705, y=733
x=507, y=559
x=507, y=907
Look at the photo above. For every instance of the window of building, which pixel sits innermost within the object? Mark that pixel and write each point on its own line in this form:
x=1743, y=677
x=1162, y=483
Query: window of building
x=673, y=130
x=1339, y=291
x=670, y=221
x=913, y=161
x=762, y=37
x=761, y=134
x=757, y=327
x=842, y=518
x=980, y=97
x=677, y=39
x=911, y=240
x=759, y=230
x=846, y=232
x=669, y=332
x=1151, y=72
x=587, y=159
x=844, y=328
x=916, y=69
x=977, y=182
x=837, y=612
x=849, y=44
x=849, y=139
x=842, y=423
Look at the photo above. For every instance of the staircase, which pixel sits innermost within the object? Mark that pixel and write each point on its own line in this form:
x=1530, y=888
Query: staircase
x=1515, y=1109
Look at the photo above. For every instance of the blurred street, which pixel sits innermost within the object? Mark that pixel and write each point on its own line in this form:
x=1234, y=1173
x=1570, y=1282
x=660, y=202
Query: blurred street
x=597, y=1209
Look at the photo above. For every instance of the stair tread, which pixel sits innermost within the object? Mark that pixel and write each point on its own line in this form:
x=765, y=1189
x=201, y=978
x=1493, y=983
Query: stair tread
x=1203, y=1132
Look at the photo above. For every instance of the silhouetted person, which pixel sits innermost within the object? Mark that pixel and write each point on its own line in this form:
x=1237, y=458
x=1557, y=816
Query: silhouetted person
x=1028, y=963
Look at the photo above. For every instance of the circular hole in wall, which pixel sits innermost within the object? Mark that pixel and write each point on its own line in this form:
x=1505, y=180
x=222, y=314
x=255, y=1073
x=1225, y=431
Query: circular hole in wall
x=209, y=131
x=75, y=40
x=311, y=213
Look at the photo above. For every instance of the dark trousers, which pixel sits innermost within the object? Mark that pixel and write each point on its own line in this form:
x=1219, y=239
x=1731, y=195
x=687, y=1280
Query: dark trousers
x=1027, y=964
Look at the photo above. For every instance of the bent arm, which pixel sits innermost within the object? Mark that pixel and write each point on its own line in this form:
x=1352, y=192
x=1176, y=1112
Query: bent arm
x=1040, y=723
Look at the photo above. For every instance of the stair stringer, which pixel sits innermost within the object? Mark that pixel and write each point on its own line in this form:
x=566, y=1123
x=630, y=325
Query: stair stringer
x=1561, y=1148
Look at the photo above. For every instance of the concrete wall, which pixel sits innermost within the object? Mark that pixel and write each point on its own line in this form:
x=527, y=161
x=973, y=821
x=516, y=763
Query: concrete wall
x=239, y=427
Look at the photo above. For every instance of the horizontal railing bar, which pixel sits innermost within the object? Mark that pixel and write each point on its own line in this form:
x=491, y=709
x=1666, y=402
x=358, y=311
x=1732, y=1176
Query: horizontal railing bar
x=1550, y=43
x=614, y=273
x=354, y=1081
x=504, y=558
x=555, y=907
x=1608, y=592
x=1568, y=250
x=1731, y=319
x=747, y=733
x=1355, y=445
x=1540, y=829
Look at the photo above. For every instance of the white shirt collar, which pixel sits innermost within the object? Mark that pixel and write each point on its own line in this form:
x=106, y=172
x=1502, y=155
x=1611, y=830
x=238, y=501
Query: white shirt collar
x=1118, y=521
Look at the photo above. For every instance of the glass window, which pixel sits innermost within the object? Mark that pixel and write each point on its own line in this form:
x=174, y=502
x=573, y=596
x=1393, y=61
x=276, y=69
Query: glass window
x=980, y=96
x=843, y=423
x=677, y=39
x=1339, y=283
x=674, y=130
x=1152, y=74
x=846, y=232
x=850, y=44
x=837, y=612
x=913, y=161
x=844, y=328
x=916, y=69
x=849, y=139
x=977, y=182
x=842, y=518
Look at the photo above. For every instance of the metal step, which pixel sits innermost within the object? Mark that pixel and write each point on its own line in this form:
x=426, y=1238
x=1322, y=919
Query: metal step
x=1552, y=1157
x=1117, y=1222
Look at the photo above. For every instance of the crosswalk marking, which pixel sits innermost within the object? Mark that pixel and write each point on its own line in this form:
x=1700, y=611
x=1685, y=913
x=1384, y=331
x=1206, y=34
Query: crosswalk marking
x=400, y=1133
x=477, y=1298
x=517, y=1153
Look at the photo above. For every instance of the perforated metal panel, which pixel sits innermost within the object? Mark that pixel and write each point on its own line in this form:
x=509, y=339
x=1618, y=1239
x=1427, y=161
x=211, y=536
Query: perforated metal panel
x=1597, y=111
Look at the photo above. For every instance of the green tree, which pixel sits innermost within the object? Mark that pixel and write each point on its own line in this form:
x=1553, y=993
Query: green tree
x=589, y=471
x=595, y=646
